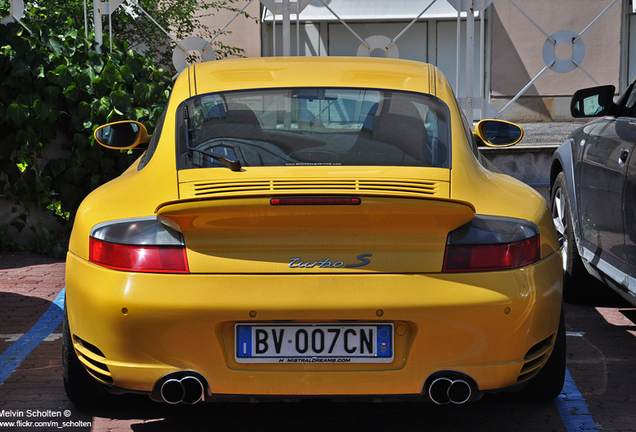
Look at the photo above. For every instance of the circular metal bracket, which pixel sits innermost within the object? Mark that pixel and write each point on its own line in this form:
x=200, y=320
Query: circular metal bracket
x=566, y=37
x=378, y=42
x=188, y=44
x=15, y=13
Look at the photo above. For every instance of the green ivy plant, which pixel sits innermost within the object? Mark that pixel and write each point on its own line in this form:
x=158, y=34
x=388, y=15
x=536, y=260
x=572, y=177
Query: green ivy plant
x=54, y=88
x=182, y=18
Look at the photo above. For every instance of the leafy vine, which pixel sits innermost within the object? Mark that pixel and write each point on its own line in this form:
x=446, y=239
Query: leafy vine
x=54, y=92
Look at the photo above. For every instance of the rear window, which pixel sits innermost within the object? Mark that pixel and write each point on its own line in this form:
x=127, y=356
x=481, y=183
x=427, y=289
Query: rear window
x=314, y=126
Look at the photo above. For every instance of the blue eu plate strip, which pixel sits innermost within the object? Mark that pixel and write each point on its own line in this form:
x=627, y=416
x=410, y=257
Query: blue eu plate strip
x=244, y=335
x=384, y=348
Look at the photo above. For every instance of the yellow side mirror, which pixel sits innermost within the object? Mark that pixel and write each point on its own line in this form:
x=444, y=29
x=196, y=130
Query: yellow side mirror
x=498, y=133
x=122, y=135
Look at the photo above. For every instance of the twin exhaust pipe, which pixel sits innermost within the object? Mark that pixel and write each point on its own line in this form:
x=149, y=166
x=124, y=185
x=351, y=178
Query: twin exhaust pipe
x=444, y=390
x=188, y=390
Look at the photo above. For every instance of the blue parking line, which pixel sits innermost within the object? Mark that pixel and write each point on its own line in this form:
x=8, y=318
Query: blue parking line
x=17, y=352
x=573, y=409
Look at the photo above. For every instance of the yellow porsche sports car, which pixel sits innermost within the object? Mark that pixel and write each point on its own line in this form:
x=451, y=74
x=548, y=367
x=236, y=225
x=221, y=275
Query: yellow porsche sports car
x=312, y=227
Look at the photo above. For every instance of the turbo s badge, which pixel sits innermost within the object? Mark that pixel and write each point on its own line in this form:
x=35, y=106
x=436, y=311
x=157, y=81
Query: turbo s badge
x=327, y=263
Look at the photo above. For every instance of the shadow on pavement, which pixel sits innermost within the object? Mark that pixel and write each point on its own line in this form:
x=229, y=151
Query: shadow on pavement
x=324, y=415
x=14, y=260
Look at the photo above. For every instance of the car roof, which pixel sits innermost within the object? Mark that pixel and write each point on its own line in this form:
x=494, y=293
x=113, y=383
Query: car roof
x=276, y=72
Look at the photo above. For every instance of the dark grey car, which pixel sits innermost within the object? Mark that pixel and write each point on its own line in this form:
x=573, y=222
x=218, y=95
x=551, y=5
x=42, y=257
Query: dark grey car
x=593, y=193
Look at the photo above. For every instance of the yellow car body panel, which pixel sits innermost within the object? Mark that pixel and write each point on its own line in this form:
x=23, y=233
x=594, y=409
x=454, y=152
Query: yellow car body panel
x=484, y=331
x=497, y=327
x=304, y=71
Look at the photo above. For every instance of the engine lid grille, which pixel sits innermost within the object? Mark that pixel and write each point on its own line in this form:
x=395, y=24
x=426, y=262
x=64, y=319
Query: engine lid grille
x=407, y=188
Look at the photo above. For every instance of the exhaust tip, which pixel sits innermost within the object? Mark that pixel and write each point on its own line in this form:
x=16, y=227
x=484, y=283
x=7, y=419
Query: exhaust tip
x=192, y=390
x=438, y=391
x=172, y=391
x=459, y=392
x=180, y=387
x=444, y=387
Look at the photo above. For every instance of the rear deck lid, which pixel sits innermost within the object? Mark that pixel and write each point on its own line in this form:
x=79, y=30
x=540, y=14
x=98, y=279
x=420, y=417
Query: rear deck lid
x=317, y=233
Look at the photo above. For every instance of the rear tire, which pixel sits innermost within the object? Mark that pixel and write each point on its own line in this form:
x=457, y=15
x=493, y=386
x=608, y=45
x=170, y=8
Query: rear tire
x=575, y=276
x=81, y=388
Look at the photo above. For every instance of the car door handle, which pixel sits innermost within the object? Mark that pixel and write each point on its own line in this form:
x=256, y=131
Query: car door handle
x=622, y=157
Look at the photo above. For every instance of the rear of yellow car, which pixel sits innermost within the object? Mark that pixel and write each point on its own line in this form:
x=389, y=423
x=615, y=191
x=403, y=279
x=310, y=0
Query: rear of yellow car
x=312, y=227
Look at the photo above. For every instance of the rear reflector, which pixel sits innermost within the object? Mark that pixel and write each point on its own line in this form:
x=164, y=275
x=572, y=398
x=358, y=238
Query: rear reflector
x=137, y=258
x=316, y=201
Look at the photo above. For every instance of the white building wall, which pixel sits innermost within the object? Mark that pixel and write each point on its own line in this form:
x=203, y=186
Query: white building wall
x=432, y=38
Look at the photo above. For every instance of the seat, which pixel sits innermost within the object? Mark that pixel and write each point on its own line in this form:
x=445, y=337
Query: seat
x=391, y=137
x=238, y=113
x=400, y=124
x=239, y=122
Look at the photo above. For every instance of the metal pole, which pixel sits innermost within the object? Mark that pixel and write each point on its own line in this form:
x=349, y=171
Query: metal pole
x=470, y=60
x=459, y=47
x=595, y=19
x=176, y=41
x=97, y=18
x=274, y=31
x=297, y=28
x=482, y=54
x=586, y=73
x=286, y=29
x=410, y=24
x=110, y=31
x=230, y=22
x=345, y=24
x=523, y=90
x=530, y=19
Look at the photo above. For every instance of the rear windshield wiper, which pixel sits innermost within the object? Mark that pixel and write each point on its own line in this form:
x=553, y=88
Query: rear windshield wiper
x=233, y=164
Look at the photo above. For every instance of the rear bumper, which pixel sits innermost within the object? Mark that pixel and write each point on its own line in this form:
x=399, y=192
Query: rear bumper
x=137, y=328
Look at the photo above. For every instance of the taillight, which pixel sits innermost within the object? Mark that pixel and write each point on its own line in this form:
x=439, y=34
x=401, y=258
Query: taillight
x=138, y=245
x=492, y=243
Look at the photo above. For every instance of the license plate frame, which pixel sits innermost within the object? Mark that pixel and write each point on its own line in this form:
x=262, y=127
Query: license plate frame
x=338, y=343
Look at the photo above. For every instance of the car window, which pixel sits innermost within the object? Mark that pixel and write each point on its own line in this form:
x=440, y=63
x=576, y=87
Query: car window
x=469, y=135
x=628, y=103
x=154, y=140
x=314, y=126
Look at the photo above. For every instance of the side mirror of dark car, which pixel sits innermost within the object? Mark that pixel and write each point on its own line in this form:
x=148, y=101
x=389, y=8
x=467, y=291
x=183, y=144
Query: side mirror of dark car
x=498, y=133
x=593, y=102
x=122, y=135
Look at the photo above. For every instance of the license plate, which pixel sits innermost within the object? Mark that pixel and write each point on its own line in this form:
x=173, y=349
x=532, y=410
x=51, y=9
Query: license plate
x=314, y=343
